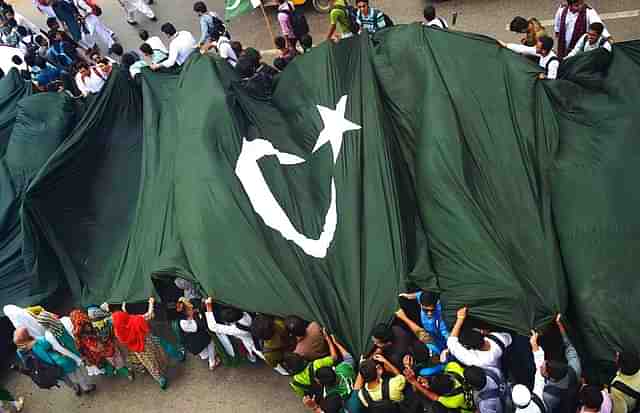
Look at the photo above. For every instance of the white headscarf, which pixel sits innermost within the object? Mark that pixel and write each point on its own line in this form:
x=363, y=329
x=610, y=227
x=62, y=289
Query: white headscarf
x=22, y=318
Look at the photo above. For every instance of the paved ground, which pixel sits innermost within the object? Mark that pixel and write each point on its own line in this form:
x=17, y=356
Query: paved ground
x=257, y=389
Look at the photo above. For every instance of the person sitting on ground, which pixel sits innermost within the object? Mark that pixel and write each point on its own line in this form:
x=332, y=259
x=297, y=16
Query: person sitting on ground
x=225, y=50
x=525, y=400
x=592, y=399
x=625, y=386
x=591, y=40
x=210, y=23
x=560, y=390
x=181, y=45
x=154, y=41
x=194, y=333
x=311, y=343
x=306, y=42
x=471, y=348
x=275, y=339
x=431, y=20
x=302, y=371
x=486, y=386
x=431, y=316
x=234, y=323
x=368, y=18
x=380, y=391
x=543, y=50
x=425, y=349
x=447, y=388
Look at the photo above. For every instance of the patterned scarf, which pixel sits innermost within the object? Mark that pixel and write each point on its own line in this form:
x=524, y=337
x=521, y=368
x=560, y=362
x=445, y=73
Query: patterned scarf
x=48, y=320
x=91, y=347
x=579, y=29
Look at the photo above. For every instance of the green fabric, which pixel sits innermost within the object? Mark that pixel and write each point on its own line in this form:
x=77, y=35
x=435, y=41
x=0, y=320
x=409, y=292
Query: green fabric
x=345, y=375
x=508, y=194
x=12, y=89
x=236, y=8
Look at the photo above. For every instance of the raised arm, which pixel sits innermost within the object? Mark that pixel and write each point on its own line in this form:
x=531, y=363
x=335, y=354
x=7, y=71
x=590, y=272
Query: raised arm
x=412, y=325
x=570, y=352
x=346, y=356
x=390, y=368
x=333, y=352
x=150, y=314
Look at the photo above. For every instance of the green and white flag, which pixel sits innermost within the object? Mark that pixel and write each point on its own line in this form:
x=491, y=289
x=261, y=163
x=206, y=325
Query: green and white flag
x=235, y=8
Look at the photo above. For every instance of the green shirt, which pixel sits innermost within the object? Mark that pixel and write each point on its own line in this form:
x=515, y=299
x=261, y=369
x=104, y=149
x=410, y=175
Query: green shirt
x=345, y=375
x=338, y=16
x=304, y=378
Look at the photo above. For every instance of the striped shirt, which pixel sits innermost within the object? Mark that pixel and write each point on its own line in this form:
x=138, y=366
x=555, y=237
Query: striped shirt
x=372, y=22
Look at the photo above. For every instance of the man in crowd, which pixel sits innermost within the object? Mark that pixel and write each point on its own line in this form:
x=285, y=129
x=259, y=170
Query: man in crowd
x=89, y=79
x=310, y=341
x=210, y=23
x=571, y=22
x=592, y=40
x=339, y=23
x=275, y=339
x=523, y=399
x=625, y=387
x=431, y=315
x=543, y=50
x=181, y=45
x=431, y=20
x=224, y=47
x=369, y=19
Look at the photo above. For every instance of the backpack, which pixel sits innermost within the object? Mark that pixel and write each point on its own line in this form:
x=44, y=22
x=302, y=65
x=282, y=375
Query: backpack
x=620, y=386
x=387, y=20
x=503, y=392
x=352, y=17
x=216, y=27
x=298, y=21
x=384, y=405
x=44, y=375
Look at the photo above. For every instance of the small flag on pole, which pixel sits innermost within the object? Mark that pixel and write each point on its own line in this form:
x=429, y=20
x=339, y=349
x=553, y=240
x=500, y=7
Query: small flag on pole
x=235, y=8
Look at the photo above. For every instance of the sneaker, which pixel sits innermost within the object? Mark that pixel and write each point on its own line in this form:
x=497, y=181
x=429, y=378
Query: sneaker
x=19, y=404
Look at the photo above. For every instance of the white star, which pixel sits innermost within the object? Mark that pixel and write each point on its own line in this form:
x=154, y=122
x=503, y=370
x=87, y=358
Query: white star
x=335, y=125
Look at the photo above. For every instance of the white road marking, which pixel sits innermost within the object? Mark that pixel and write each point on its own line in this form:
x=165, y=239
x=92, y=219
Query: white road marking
x=604, y=16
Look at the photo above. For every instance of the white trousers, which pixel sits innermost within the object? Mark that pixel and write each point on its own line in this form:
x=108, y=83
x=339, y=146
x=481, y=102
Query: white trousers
x=209, y=353
x=131, y=6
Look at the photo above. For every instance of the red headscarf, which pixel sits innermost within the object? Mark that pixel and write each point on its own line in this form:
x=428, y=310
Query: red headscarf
x=131, y=330
x=91, y=347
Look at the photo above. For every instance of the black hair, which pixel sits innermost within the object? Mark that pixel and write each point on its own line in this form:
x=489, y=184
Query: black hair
x=429, y=13
x=519, y=25
x=8, y=9
x=471, y=338
x=12, y=23
x=30, y=59
x=253, y=54
x=40, y=39
x=22, y=31
x=306, y=42
x=81, y=65
x=103, y=61
x=296, y=326
x=280, y=63
x=17, y=60
x=326, y=376
x=168, y=29
x=428, y=298
x=52, y=22
x=199, y=7
x=547, y=42
x=236, y=46
x=557, y=369
x=293, y=363
x=362, y=1
x=332, y=404
x=129, y=59
x=262, y=325
x=628, y=363
x=39, y=62
x=146, y=49
x=280, y=42
x=245, y=67
x=597, y=27
x=116, y=49
x=1, y=73
x=369, y=370
x=144, y=35
x=475, y=377
x=230, y=315
x=591, y=396
x=383, y=332
x=441, y=384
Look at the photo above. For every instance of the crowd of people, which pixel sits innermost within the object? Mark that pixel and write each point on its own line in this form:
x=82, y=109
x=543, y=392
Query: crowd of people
x=417, y=364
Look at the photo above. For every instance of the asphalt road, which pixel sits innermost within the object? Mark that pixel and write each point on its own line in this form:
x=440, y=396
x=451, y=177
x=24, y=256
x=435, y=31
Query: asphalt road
x=257, y=389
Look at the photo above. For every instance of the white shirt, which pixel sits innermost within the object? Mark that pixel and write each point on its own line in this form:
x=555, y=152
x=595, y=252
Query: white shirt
x=570, y=23
x=232, y=330
x=538, y=384
x=437, y=22
x=156, y=44
x=90, y=84
x=180, y=48
x=584, y=45
x=479, y=358
x=226, y=51
x=549, y=62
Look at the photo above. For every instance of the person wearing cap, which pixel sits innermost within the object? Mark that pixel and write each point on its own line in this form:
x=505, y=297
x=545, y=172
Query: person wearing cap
x=523, y=399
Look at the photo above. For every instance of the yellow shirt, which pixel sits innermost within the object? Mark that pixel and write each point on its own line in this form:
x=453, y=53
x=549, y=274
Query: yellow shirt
x=396, y=386
x=621, y=402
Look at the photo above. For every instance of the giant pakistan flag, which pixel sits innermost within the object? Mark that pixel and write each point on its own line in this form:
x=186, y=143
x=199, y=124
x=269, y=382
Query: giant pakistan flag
x=374, y=166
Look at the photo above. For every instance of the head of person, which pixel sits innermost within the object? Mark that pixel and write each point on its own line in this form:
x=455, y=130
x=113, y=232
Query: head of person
x=83, y=69
x=595, y=31
x=296, y=326
x=471, y=338
x=52, y=23
x=382, y=336
x=326, y=377
x=199, y=8
x=544, y=45
x=144, y=35
x=39, y=62
x=575, y=5
x=168, y=29
x=146, y=49
x=363, y=6
x=230, y=315
x=429, y=13
x=184, y=306
x=370, y=370
x=280, y=43
x=1, y=73
x=30, y=59
x=22, y=31
x=94, y=56
x=591, y=397
x=21, y=336
x=521, y=396
x=58, y=36
x=245, y=67
x=475, y=377
x=41, y=41
x=104, y=65
x=262, y=325
x=554, y=370
x=428, y=302
x=441, y=384
x=519, y=25
x=534, y=25
x=628, y=363
x=332, y=404
x=12, y=23
x=306, y=41
x=116, y=49
x=129, y=59
x=237, y=47
x=293, y=363
x=16, y=60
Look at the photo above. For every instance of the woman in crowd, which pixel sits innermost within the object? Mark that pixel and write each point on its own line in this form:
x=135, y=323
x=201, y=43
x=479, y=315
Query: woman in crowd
x=194, y=334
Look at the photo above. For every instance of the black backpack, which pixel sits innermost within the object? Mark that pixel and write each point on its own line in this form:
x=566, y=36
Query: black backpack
x=217, y=28
x=384, y=405
x=298, y=21
x=352, y=17
x=387, y=21
x=44, y=375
